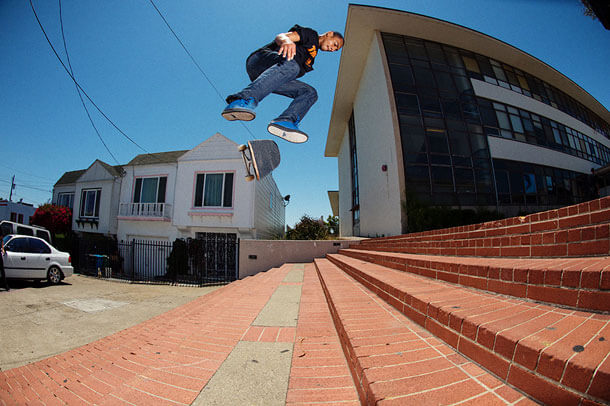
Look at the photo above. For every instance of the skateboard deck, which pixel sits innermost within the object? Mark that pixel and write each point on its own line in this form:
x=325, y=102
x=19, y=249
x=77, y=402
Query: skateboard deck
x=260, y=157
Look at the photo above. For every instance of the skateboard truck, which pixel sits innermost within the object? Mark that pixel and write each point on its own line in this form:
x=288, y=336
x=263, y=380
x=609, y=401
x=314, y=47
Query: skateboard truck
x=247, y=161
x=260, y=157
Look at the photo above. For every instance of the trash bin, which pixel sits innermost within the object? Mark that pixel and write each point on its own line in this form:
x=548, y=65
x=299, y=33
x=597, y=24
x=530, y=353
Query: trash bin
x=102, y=265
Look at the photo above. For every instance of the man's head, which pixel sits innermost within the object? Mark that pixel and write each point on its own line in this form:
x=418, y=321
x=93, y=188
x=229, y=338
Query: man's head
x=331, y=41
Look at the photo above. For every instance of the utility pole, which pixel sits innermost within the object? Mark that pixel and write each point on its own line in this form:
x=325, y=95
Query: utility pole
x=10, y=199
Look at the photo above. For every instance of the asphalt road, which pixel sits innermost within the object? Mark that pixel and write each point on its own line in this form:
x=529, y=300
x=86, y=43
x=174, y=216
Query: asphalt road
x=38, y=320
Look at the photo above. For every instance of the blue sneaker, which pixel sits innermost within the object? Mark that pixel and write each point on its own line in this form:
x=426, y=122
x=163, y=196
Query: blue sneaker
x=240, y=109
x=287, y=130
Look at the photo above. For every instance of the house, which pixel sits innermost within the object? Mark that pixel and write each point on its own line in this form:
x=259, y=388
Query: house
x=453, y=117
x=186, y=194
x=92, y=194
x=194, y=193
x=18, y=212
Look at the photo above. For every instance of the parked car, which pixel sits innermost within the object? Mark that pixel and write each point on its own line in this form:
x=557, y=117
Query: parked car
x=10, y=227
x=28, y=257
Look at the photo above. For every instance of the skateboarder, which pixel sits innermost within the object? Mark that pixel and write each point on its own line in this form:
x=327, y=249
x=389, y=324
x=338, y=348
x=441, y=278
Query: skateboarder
x=274, y=68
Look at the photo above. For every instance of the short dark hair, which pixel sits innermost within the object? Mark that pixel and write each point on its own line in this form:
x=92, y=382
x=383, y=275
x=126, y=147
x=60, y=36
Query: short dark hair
x=337, y=34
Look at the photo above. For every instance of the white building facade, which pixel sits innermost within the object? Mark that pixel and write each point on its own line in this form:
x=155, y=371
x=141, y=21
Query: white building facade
x=453, y=117
x=176, y=194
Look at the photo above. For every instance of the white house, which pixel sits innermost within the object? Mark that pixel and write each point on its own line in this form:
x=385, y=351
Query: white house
x=19, y=212
x=92, y=194
x=453, y=117
x=182, y=194
x=176, y=194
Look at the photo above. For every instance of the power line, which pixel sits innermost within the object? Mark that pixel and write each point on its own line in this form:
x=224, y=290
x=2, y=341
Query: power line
x=195, y=62
x=63, y=36
x=25, y=173
x=78, y=85
x=26, y=187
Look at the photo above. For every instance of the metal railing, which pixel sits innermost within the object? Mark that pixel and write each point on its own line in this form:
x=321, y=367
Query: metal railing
x=160, y=210
x=205, y=261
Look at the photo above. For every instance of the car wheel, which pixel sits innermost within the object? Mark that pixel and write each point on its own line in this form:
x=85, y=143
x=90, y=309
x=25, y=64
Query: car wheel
x=54, y=275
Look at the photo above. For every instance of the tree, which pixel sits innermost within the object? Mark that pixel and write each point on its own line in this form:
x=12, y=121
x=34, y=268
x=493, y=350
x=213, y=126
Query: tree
x=332, y=223
x=308, y=228
x=56, y=219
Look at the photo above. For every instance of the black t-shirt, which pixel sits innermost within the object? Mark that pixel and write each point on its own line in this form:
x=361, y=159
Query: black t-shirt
x=306, y=48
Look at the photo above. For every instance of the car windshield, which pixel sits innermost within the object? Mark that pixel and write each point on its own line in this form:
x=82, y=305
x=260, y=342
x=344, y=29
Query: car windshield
x=5, y=239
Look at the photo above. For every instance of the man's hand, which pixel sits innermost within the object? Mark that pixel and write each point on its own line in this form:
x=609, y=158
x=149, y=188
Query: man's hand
x=286, y=41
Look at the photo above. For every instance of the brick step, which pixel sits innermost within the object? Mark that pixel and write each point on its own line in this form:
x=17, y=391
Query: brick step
x=584, y=215
x=165, y=360
x=575, y=242
x=557, y=356
x=578, y=283
x=395, y=362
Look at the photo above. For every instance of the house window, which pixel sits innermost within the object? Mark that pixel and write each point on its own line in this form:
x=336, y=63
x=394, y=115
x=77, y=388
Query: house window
x=20, y=218
x=150, y=190
x=65, y=199
x=214, y=190
x=90, y=203
x=14, y=217
x=354, y=171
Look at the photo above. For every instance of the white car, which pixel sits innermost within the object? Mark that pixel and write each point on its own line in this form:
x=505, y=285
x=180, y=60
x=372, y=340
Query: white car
x=28, y=257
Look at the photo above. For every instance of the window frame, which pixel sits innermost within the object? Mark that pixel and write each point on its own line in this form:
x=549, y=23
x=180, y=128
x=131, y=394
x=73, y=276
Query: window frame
x=223, y=197
x=157, y=194
x=96, y=207
x=62, y=195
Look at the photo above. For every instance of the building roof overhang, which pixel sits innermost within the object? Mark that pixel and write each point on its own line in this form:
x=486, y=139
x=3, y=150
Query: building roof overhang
x=363, y=21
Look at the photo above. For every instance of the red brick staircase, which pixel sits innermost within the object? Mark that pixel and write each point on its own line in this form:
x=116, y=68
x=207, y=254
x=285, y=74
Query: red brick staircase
x=525, y=298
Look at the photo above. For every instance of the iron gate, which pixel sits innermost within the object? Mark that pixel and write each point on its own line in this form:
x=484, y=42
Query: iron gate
x=209, y=259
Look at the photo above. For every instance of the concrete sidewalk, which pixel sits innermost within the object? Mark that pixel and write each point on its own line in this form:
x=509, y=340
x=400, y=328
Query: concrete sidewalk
x=265, y=340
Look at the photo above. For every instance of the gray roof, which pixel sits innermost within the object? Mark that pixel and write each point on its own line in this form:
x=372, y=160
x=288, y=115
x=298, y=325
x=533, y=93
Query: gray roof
x=157, y=158
x=113, y=170
x=70, y=177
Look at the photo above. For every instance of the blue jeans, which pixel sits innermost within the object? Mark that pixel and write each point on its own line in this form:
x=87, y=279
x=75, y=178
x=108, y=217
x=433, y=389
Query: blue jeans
x=272, y=73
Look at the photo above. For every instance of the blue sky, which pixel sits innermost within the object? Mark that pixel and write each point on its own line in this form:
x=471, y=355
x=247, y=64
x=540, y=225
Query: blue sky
x=132, y=67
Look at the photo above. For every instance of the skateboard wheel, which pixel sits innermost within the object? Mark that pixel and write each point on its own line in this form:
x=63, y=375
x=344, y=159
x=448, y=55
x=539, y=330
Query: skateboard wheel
x=242, y=147
x=249, y=178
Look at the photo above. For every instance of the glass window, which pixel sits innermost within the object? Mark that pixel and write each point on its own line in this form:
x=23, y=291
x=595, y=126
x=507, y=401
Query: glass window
x=214, y=190
x=43, y=234
x=416, y=49
x=407, y=103
x=529, y=179
x=38, y=247
x=65, y=199
x=516, y=122
x=503, y=120
x=402, y=77
x=18, y=245
x=395, y=49
x=24, y=230
x=437, y=139
x=150, y=190
x=442, y=178
x=471, y=64
x=90, y=203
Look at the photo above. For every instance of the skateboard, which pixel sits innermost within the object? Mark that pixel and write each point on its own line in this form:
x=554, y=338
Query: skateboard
x=261, y=157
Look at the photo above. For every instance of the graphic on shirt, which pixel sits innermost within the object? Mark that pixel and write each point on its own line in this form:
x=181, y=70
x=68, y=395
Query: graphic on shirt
x=313, y=51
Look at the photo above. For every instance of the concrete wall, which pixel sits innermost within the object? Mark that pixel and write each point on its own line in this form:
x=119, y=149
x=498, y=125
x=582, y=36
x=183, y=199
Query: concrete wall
x=273, y=253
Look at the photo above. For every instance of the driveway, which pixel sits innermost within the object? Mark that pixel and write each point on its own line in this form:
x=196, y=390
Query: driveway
x=38, y=321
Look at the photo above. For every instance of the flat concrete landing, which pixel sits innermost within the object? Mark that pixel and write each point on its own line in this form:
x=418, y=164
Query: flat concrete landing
x=255, y=373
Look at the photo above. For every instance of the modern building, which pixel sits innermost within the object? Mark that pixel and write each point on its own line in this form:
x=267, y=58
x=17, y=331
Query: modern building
x=453, y=117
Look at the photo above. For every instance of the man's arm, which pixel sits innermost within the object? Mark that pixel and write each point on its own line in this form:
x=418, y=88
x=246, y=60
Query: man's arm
x=286, y=41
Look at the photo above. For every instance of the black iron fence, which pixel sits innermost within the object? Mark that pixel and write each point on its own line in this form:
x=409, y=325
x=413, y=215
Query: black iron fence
x=210, y=259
